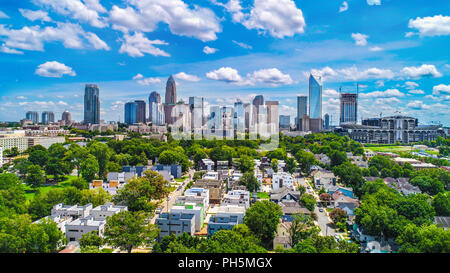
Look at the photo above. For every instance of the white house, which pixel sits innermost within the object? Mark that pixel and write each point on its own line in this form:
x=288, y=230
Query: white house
x=72, y=211
x=103, y=211
x=191, y=208
x=76, y=229
x=211, y=176
x=195, y=195
x=238, y=198
x=281, y=180
x=1, y=156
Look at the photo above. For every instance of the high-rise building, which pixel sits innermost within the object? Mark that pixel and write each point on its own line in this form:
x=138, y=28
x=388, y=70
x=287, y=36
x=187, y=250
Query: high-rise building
x=171, y=100
x=141, y=113
x=302, y=109
x=326, y=124
x=239, y=119
x=130, y=112
x=349, y=108
x=156, y=109
x=197, y=107
x=33, y=116
x=315, y=97
x=171, y=91
x=258, y=103
x=91, y=104
x=48, y=117
x=273, y=119
x=285, y=122
x=66, y=117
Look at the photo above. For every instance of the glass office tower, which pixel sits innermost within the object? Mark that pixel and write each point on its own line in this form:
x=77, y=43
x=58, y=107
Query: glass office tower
x=91, y=104
x=315, y=97
x=130, y=112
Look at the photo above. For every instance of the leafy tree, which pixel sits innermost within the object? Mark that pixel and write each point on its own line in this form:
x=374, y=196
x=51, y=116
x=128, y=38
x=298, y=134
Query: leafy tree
x=305, y=160
x=138, y=192
x=96, y=197
x=338, y=215
x=441, y=204
x=250, y=182
x=91, y=239
x=246, y=164
x=301, y=189
x=39, y=157
x=89, y=168
x=291, y=165
x=126, y=230
x=380, y=162
x=428, y=184
x=374, y=172
x=76, y=155
x=230, y=241
x=302, y=227
x=54, y=167
x=308, y=201
x=34, y=177
x=262, y=218
x=337, y=158
x=306, y=246
x=102, y=153
x=424, y=239
x=350, y=175
x=80, y=183
x=274, y=165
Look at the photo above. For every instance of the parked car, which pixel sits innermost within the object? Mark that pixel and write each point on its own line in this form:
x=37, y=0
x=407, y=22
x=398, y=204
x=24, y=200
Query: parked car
x=321, y=209
x=158, y=210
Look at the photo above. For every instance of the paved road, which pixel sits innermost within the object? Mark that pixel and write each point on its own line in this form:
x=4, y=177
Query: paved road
x=324, y=223
x=173, y=196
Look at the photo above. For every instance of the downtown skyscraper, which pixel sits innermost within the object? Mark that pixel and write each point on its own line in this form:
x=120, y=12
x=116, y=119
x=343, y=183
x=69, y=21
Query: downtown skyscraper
x=91, y=104
x=141, y=111
x=302, y=109
x=130, y=112
x=33, y=116
x=315, y=97
x=48, y=117
x=171, y=99
x=156, y=109
x=349, y=108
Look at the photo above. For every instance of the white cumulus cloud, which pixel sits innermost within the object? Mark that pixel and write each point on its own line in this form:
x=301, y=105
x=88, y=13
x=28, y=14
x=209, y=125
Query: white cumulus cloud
x=441, y=89
x=145, y=15
x=272, y=76
x=424, y=70
x=54, y=69
x=431, y=26
x=343, y=7
x=360, y=39
x=138, y=45
x=374, y=2
x=34, y=15
x=186, y=77
x=389, y=93
x=280, y=18
x=140, y=79
x=209, y=50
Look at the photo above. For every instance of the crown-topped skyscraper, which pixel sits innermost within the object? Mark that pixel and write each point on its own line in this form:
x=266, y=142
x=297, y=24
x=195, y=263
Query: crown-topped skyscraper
x=171, y=91
x=171, y=99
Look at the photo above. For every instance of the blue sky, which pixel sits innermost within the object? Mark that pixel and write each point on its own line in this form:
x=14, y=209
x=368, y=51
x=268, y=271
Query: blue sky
x=398, y=51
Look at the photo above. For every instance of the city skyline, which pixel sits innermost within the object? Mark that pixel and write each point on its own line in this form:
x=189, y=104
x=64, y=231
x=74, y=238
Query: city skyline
x=401, y=64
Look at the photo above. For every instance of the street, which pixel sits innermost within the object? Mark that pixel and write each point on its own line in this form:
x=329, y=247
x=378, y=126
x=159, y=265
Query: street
x=173, y=196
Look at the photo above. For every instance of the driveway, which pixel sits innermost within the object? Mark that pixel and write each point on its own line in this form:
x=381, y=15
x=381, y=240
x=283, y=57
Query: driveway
x=324, y=223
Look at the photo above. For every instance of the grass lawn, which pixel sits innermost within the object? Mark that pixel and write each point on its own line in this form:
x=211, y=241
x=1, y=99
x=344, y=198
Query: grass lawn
x=391, y=149
x=181, y=179
x=30, y=192
x=263, y=195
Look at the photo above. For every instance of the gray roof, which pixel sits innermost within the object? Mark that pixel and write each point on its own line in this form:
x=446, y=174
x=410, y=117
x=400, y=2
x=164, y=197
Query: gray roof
x=442, y=221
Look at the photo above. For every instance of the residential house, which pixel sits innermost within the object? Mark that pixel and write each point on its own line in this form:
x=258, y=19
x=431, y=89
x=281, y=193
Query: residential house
x=226, y=218
x=138, y=170
x=344, y=202
x=282, y=237
x=102, y=212
x=175, y=223
x=325, y=179
x=323, y=159
x=174, y=169
x=238, y=198
x=291, y=208
x=206, y=164
x=282, y=194
x=215, y=188
x=281, y=180
x=191, y=208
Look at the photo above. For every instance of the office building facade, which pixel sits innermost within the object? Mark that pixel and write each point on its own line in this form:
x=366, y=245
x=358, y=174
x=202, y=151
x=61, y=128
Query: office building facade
x=48, y=117
x=315, y=97
x=91, y=104
x=349, y=108
x=141, y=111
x=130, y=112
x=33, y=116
